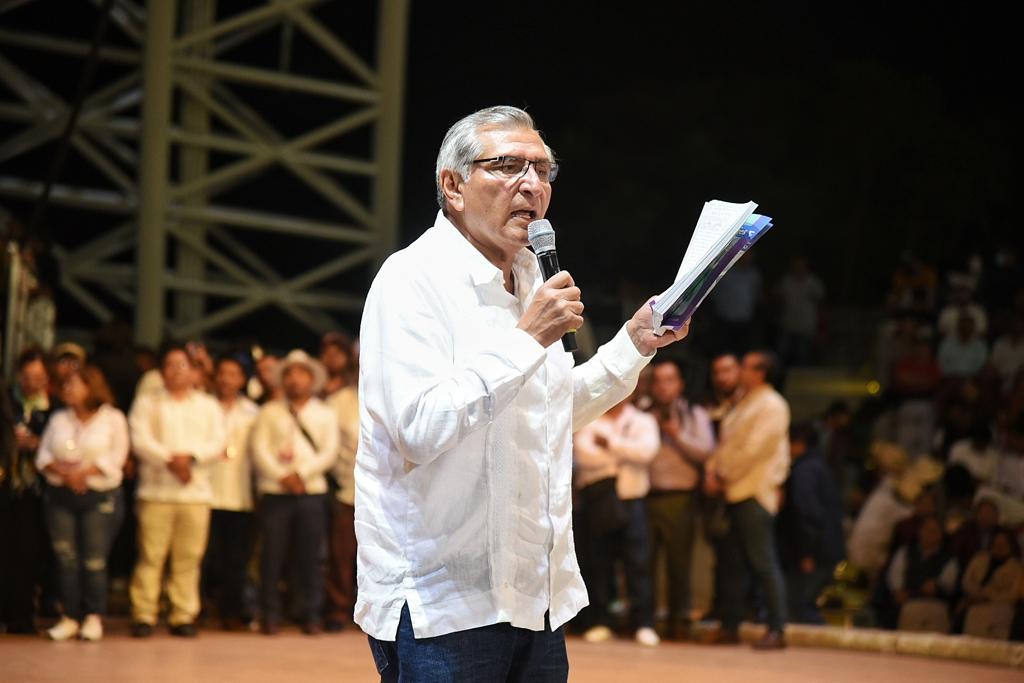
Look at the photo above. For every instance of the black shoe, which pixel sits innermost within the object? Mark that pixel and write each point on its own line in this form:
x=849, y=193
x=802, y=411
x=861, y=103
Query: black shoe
x=141, y=629
x=312, y=628
x=269, y=628
x=185, y=631
x=334, y=625
x=772, y=640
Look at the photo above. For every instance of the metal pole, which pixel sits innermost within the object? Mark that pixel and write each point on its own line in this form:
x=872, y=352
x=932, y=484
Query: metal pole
x=156, y=118
x=194, y=163
x=392, y=28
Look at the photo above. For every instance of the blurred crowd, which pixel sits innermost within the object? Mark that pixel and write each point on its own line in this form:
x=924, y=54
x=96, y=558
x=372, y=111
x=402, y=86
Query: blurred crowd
x=223, y=495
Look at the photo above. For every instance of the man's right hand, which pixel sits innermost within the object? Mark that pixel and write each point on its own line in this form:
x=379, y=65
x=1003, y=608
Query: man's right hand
x=293, y=484
x=181, y=467
x=555, y=310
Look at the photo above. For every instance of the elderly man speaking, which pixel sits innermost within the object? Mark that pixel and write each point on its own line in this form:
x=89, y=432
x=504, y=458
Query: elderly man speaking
x=466, y=563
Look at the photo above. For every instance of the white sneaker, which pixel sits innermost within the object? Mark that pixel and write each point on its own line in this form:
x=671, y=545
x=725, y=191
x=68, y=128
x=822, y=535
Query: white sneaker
x=66, y=628
x=647, y=637
x=598, y=634
x=92, y=628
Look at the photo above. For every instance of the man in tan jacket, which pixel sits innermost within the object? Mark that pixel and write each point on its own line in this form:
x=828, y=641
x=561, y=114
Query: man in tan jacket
x=749, y=465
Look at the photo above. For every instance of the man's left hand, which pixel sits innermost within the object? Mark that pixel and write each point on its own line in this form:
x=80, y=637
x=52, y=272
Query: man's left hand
x=642, y=333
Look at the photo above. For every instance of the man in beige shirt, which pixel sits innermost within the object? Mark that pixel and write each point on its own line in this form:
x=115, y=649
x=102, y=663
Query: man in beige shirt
x=749, y=465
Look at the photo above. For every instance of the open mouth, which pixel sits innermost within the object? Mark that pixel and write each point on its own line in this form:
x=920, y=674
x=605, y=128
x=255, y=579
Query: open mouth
x=525, y=214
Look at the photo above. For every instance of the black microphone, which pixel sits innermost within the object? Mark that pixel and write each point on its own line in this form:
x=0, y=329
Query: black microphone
x=542, y=239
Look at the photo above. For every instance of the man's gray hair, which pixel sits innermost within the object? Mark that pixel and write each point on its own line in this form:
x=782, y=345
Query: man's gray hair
x=461, y=144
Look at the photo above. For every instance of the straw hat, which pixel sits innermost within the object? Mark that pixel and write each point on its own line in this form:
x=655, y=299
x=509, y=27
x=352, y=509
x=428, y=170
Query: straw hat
x=300, y=357
x=70, y=349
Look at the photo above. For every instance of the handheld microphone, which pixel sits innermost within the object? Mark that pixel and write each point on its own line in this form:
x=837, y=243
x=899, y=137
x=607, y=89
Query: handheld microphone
x=542, y=239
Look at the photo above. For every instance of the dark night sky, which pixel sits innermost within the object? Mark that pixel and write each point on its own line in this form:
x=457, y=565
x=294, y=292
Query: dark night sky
x=863, y=129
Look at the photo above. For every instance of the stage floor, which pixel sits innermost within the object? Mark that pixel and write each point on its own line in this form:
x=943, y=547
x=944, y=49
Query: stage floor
x=217, y=657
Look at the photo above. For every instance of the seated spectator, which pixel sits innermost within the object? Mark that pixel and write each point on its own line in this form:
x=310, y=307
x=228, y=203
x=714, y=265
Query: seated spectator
x=1008, y=355
x=976, y=453
x=977, y=533
x=962, y=355
x=990, y=587
x=887, y=505
x=960, y=305
x=1007, y=485
x=916, y=374
x=913, y=286
x=922, y=578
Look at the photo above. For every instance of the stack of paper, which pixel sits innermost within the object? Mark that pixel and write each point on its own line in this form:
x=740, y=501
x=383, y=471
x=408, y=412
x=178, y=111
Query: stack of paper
x=724, y=232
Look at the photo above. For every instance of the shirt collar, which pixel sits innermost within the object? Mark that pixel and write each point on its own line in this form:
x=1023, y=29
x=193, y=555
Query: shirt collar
x=481, y=271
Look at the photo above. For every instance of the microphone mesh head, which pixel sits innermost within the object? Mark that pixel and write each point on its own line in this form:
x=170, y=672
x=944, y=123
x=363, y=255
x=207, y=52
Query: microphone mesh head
x=541, y=236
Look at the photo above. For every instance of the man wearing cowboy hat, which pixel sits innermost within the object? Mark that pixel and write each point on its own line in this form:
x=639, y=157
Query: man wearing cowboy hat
x=294, y=443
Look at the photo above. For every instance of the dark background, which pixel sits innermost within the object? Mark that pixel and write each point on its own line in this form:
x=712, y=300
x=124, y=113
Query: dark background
x=863, y=129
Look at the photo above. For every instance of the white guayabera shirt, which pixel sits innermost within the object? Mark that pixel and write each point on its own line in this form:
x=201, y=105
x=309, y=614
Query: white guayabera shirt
x=464, y=467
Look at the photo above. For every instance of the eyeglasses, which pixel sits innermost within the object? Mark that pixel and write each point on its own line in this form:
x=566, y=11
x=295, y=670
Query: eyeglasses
x=517, y=167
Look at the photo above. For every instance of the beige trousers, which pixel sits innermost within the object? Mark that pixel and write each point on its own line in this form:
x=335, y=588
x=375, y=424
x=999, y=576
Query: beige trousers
x=179, y=530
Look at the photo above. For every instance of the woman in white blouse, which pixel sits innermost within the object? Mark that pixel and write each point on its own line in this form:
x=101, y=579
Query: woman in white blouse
x=82, y=454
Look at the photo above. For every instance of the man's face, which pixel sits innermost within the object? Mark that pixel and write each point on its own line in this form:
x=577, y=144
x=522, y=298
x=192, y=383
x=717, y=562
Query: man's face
x=666, y=385
x=229, y=379
x=33, y=378
x=298, y=382
x=265, y=368
x=64, y=367
x=494, y=211
x=725, y=375
x=334, y=358
x=177, y=371
x=751, y=374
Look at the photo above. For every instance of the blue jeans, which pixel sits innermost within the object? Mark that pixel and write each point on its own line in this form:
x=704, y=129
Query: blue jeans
x=82, y=529
x=292, y=528
x=490, y=654
x=751, y=554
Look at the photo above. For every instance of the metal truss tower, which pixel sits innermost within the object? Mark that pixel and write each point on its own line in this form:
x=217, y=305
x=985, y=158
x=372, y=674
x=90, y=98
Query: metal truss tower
x=230, y=158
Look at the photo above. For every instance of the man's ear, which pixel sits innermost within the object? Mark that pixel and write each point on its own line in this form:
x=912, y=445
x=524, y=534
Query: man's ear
x=451, y=188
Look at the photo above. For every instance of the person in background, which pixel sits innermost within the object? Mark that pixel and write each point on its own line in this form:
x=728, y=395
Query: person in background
x=922, y=578
x=749, y=465
x=177, y=433
x=337, y=353
x=810, y=526
x=724, y=393
x=1008, y=355
x=294, y=444
x=68, y=358
x=800, y=294
x=611, y=457
x=341, y=547
x=266, y=377
x=232, y=528
x=962, y=355
x=977, y=533
x=82, y=455
x=990, y=581
x=24, y=556
x=675, y=475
